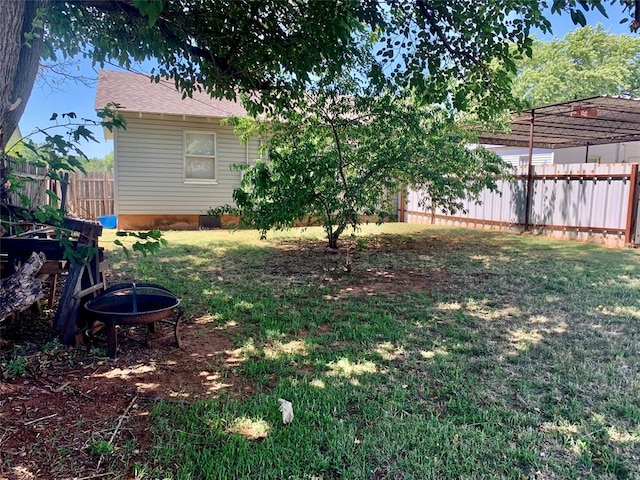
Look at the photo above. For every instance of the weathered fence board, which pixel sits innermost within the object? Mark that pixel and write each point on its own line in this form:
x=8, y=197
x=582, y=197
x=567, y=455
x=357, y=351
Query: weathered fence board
x=91, y=195
x=34, y=184
x=588, y=202
x=88, y=196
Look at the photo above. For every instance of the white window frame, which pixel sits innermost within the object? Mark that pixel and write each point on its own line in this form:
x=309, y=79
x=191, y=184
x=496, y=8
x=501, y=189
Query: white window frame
x=206, y=181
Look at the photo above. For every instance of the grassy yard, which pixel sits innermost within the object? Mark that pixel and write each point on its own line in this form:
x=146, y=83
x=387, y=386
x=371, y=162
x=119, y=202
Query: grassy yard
x=437, y=353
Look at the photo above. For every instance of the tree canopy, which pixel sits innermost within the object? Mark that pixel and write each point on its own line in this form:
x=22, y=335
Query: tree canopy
x=268, y=50
x=586, y=62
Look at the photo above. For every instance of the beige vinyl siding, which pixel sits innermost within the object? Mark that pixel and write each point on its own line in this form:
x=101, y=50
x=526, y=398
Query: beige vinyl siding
x=150, y=166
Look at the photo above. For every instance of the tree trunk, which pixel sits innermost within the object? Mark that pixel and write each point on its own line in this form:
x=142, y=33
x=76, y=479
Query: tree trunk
x=23, y=288
x=19, y=60
x=333, y=235
x=333, y=241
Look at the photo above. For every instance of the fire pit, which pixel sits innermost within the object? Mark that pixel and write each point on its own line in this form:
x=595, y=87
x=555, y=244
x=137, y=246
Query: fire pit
x=134, y=304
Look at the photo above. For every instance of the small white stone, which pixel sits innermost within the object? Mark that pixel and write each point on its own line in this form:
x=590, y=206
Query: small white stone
x=286, y=408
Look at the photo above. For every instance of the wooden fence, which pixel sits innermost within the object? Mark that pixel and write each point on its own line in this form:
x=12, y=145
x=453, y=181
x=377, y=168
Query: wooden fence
x=90, y=196
x=584, y=202
x=86, y=196
x=32, y=183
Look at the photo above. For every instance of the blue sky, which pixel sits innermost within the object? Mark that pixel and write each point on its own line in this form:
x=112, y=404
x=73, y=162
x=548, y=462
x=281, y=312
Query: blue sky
x=72, y=97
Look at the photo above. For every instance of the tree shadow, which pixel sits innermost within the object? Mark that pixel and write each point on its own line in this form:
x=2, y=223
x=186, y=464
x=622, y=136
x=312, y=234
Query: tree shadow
x=469, y=322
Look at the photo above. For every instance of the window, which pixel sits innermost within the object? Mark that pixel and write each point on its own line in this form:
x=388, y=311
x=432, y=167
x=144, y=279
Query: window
x=200, y=157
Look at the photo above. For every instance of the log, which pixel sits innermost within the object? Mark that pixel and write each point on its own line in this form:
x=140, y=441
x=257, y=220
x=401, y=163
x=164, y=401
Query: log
x=22, y=289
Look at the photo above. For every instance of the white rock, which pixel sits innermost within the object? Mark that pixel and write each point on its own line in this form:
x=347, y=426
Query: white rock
x=286, y=408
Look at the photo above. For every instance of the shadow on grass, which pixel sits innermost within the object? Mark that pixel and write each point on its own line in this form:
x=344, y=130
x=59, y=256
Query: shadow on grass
x=467, y=329
x=448, y=353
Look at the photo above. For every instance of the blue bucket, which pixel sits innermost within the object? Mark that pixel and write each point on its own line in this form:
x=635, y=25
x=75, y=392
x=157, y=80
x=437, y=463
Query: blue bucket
x=108, y=221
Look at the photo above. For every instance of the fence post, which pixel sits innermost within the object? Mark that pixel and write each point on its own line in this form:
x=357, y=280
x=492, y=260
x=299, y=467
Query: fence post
x=529, y=193
x=105, y=196
x=632, y=210
x=72, y=196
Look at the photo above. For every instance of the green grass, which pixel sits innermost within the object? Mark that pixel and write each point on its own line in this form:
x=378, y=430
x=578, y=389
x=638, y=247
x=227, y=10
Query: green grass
x=443, y=353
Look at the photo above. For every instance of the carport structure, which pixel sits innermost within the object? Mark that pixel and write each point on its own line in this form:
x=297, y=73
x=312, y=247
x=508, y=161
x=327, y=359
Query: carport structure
x=578, y=123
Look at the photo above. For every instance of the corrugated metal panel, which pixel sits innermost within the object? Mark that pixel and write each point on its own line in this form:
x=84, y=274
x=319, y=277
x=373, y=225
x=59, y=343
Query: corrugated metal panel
x=619, y=204
x=588, y=201
x=493, y=206
x=601, y=198
x=518, y=189
x=578, y=196
x=150, y=173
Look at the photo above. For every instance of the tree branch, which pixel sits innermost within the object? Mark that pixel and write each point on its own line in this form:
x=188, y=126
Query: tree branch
x=167, y=25
x=435, y=28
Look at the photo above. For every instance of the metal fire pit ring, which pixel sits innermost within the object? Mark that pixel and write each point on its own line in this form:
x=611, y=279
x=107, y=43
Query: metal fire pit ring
x=134, y=304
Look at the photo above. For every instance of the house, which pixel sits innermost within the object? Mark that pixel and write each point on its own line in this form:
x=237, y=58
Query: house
x=173, y=162
x=627, y=152
x=520, y=156
x=624, y=152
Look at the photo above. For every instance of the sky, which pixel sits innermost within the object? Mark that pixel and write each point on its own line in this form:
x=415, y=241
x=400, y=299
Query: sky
x=73, y=97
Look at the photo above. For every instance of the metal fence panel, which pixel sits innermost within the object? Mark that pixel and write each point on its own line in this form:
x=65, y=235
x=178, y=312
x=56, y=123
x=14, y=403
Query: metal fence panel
x=578, y=200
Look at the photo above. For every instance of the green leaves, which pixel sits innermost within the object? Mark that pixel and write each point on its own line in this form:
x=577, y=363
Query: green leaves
x=110, y=118
x=269, y=52
x=347, y=156
x=578, y=18
x=575, y=7
x=37, y=25
x=586, y=62
x=229, y=48
x=146, y=242
x=151, y=8
x=58, y=155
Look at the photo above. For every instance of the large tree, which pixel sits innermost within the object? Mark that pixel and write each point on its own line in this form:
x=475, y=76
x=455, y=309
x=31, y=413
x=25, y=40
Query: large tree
x=586, y=62
x=457, y=54
x=343, y=154
x=21, y=32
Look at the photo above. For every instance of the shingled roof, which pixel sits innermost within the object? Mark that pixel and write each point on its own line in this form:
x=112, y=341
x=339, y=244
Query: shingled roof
x=137, y=93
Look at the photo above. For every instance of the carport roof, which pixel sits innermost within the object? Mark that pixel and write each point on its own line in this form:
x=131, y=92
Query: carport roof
x=588, y=121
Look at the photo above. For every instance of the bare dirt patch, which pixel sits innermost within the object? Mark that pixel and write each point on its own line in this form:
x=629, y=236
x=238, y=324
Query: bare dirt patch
x=383, y=266
x=59, y=407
